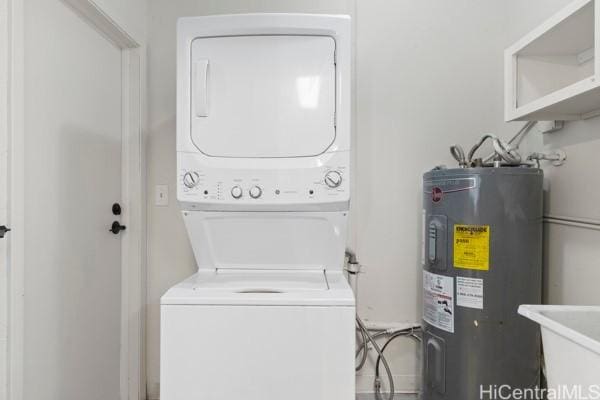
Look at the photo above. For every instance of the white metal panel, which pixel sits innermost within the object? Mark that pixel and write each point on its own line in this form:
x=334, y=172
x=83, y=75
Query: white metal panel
x=291, y=184
x=267, y=240
x=288, y=183
x=336, y=27
x=258, y=281
x=263, y=95
x=257, y=352
x=299, y=288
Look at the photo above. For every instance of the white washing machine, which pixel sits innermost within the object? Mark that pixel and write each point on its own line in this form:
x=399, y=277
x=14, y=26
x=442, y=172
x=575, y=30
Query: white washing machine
x=263, y=142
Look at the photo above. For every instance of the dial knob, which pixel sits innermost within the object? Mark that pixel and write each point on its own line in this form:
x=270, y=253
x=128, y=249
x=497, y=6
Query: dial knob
x=236, y=192
x=255, y=192
x=333, y=179
x=191, y=179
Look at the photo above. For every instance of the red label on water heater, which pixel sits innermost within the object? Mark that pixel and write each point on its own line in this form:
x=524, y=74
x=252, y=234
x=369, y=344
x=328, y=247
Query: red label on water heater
x=436, y=194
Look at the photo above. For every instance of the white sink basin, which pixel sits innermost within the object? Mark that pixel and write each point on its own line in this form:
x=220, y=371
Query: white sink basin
x=571, y=340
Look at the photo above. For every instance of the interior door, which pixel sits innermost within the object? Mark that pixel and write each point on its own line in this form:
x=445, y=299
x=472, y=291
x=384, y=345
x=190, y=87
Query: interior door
x=73, y=107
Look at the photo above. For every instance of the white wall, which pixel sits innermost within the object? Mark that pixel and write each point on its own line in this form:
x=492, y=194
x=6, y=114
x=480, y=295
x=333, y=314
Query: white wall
x=428, y=74
x=571, y=255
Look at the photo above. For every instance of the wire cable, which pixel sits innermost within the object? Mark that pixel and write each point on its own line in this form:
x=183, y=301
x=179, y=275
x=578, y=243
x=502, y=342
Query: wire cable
x=477, y=146
x=502, y=151
x=459, y=155
x=404, y=333
x=518, y=138
x=377, y=383
x=362, y=349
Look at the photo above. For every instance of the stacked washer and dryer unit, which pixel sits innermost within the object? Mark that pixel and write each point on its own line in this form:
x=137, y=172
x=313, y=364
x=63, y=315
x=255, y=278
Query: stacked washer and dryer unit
x=263, y=142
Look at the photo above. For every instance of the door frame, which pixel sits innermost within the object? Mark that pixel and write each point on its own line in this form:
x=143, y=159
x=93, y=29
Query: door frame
x=133, y=255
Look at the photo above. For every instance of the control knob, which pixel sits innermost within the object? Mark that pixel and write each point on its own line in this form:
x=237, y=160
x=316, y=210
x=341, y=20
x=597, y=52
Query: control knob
x=333, y=179
x=191, y=179
x=255, y=192
x=236, y=192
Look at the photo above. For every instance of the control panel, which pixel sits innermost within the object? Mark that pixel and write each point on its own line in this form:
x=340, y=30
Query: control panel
x=200, y=185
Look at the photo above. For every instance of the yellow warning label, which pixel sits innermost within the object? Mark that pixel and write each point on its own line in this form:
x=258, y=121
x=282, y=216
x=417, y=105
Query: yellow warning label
x=472, y=247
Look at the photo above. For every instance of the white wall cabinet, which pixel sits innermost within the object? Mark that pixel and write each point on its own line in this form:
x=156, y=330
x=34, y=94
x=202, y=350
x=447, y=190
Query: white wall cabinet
x=553, y=73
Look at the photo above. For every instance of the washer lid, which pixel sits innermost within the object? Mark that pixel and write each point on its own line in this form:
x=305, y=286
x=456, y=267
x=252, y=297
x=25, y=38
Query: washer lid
x=263, y=96
x=261, y=287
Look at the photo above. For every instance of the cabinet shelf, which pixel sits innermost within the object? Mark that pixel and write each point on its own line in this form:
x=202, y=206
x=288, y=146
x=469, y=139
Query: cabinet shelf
x=553, y=73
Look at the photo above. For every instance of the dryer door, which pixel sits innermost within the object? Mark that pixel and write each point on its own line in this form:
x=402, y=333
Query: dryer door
x=263, y=96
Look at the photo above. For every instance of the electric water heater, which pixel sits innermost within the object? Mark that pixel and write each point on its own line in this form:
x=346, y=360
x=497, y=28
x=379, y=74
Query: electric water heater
x=482, y=258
